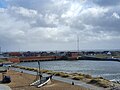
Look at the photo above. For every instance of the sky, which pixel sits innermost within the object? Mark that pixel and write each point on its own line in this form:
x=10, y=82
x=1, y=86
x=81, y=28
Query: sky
x=40, y=25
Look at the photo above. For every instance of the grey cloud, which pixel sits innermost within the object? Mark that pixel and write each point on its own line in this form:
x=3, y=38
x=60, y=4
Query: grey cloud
x=49, y=20
x=31, y=4
x=106, y=2
x=40, y=23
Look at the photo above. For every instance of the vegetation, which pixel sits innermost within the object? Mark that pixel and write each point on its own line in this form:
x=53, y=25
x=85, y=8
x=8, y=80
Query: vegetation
x=102, y=56
x=100, y=82
x=64, y=75
x=78, y=77
x=50, y=72
x=88, y=76
x=1, y=60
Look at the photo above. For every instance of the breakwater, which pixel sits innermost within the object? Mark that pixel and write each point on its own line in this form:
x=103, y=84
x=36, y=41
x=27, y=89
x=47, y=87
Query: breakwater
x=57, y=58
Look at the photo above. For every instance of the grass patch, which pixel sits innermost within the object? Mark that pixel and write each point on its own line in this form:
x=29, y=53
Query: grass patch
x=1, y=60
x=58, y=73
x=50, y=72
x=64, y=75
x=44, y=71
x=88, y=76
x=100, y=82
x=78, y=78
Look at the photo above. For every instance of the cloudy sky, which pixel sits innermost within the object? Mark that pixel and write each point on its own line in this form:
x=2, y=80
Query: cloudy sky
x=55, y=24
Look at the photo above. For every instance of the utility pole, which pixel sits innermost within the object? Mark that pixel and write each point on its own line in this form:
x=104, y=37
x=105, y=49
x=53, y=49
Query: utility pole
x=0, y=50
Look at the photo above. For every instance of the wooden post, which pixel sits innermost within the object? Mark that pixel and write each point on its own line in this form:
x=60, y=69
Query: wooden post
x=39, y=71
x=2, y=76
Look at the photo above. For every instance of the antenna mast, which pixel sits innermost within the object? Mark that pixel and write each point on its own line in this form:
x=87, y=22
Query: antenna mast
x=78, y=44
x=0, y=50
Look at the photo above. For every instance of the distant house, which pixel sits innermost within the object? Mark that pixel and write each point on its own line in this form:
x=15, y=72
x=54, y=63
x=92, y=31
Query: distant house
x=72, y=55
x=15, y=54
x=109, y=53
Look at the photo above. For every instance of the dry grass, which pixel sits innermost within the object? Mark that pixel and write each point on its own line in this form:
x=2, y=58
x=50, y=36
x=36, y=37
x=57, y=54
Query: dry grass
x=100, y=82
x=78, y=78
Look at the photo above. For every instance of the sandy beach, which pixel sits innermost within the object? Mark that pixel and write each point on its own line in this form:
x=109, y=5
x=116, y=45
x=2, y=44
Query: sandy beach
x=22, y=81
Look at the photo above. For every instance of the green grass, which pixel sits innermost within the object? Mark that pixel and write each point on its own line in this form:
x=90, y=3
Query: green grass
x=1, y=60
x=102, y=56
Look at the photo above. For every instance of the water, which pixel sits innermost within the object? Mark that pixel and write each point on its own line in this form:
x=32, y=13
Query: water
x=107, y=69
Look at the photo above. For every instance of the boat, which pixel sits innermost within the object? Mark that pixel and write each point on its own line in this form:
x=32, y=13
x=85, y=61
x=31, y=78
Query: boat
x=42, y=80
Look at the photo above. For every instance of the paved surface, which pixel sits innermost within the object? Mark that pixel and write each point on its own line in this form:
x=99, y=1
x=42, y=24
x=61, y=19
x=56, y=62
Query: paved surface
x=4, y=87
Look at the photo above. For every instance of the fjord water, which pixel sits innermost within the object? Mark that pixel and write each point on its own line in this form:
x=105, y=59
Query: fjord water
x=107, y=69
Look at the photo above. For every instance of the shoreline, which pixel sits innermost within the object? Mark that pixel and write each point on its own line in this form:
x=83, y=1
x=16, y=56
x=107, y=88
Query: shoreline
x=60, y=58
x=81, y=58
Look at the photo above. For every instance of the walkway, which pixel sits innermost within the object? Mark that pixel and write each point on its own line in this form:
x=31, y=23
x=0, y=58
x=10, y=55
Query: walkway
x=4, y=87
